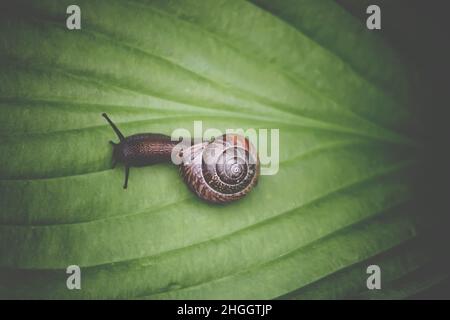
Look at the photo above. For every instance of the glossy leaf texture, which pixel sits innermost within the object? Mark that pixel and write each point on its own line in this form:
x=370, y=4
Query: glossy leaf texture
x=341, y=200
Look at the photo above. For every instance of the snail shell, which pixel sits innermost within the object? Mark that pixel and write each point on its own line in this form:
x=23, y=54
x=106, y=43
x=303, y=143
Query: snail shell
x=221, y=171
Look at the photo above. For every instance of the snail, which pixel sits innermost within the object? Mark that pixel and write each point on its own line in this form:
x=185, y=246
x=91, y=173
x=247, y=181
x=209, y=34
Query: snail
x=222, y=170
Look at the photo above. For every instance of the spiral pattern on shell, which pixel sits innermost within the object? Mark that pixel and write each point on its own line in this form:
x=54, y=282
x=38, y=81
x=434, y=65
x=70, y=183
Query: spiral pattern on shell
x=223, y=170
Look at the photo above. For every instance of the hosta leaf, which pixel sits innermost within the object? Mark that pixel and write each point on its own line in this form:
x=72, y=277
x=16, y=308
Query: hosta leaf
x=394, y=263
x=407, y=286
x=342, y=198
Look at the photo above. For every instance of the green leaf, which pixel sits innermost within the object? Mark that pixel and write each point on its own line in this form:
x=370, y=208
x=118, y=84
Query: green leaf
x=341, y=199
x=394, y=263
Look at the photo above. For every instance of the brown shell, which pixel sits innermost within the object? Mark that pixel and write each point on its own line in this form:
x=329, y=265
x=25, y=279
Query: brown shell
x=222, y=170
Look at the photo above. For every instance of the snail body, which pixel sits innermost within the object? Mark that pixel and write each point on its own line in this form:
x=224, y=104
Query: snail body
x=219, y=171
